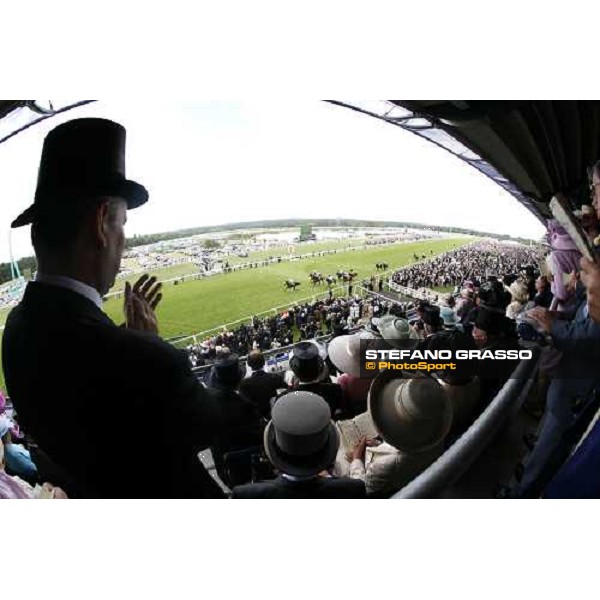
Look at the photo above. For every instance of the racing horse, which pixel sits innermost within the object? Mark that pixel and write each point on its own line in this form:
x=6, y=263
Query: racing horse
x=330, y=280
x=346, y=276
x=349, y=277
x=381, y=266
x=291, y=284
x=316, y=278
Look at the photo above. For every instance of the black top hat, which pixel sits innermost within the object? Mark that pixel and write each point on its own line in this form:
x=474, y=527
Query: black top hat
x=492, y=322
x=431, y=316
x=301, y=440
x=81, y=160
x=227, y=371
x=306, y=363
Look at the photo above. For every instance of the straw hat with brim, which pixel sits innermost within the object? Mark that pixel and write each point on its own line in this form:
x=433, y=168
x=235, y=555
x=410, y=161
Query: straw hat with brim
x=344, y=352
x=397, y=332
x=301, y=439
x=411, y=411
x=81, y=160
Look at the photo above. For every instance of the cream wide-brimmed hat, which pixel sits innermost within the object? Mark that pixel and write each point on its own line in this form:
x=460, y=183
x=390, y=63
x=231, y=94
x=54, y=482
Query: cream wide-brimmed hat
x=411, y=411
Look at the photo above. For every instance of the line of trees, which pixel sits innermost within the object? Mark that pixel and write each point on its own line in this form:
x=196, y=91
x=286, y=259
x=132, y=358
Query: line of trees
x=140, y=240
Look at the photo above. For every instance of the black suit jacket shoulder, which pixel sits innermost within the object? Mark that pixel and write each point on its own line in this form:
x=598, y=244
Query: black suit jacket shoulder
x=319, y=488
x=117, y=409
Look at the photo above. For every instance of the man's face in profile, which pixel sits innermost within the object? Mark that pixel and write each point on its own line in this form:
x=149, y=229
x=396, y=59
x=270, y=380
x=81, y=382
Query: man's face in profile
x=115, y=234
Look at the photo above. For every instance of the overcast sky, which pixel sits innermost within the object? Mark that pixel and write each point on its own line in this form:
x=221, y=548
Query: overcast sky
x=208, y=163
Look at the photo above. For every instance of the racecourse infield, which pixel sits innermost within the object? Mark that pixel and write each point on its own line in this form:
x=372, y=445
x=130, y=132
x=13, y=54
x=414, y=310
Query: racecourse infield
x=199, y=305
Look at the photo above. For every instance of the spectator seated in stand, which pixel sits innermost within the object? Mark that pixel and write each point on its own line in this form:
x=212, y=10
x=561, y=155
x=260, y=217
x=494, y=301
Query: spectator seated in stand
x=397, y=332
x=543, y=296
x=519, y=299
x=462, y=386
x=12, y=487
x=450, y=320
x=432, y=324
x=302, y=442
x=494, y=331
x=17, y=457
x=465, y=303
x=311, y=375
x=413, y=415
x=344, y=352
x=239, y=426
x=260, y=387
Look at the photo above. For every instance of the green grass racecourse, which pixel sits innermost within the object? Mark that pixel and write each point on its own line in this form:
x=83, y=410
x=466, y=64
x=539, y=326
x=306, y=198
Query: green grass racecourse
x=189, y=268
x=196, y=306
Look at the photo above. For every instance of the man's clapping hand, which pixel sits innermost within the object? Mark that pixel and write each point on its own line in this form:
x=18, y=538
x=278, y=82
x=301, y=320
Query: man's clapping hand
x=140, y=304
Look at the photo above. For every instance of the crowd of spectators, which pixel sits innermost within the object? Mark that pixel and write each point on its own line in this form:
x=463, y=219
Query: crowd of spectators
x=305, y=321
x=324, y=429
x=474, y=262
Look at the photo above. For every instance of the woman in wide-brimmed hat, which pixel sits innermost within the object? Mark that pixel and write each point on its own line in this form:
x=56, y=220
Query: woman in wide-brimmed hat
x=413, y=415
x=345, y=354
x=397, y=332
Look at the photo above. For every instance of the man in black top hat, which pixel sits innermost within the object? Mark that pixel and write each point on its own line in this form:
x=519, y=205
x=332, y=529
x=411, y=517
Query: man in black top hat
x=70, y=371
x=311, y=375
x=302, y=443
x=238, y=425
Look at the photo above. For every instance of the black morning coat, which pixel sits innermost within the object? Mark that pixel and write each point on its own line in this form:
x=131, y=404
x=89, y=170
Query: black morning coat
x=117, y=412
x=317, y=488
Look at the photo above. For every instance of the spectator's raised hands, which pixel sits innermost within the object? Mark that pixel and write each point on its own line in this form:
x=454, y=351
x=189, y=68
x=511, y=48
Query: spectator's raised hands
x=140, y=304
x=543, y=317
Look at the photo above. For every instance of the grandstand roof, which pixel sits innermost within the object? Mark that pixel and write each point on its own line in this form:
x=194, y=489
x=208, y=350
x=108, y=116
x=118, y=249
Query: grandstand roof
x=17, y=115
x=532, y=148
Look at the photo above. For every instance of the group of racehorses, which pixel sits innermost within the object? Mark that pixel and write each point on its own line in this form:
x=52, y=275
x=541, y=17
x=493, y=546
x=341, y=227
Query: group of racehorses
x=317, y=278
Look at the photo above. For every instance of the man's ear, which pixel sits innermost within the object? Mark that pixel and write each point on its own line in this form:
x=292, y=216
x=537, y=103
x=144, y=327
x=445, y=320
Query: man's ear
x=101, y=224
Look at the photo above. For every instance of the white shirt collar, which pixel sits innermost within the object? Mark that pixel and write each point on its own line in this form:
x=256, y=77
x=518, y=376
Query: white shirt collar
x=83, y=289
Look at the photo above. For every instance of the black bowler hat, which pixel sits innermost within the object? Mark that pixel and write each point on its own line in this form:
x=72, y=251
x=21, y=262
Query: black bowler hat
x=301, y=440
x=81, y=160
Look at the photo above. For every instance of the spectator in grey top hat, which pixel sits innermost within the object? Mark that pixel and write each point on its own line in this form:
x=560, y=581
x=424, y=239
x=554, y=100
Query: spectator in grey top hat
x=301, y=442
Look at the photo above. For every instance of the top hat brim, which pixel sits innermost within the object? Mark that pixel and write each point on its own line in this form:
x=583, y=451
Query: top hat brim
x=301, y=466
x=132, y=192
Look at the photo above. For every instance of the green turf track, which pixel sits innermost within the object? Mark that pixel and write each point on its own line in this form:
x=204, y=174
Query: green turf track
x=189, y=268
x=196, y=306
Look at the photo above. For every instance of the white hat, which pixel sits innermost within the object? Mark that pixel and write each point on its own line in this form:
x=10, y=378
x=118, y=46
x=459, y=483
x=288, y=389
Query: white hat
x=344, y=352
